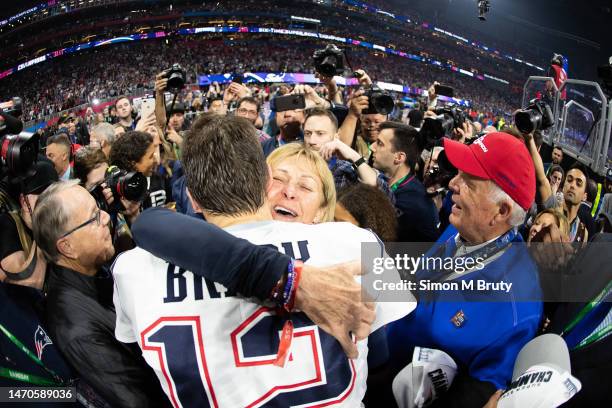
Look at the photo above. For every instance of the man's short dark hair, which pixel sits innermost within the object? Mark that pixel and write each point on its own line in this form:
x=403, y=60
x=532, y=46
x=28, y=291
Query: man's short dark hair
x=591, y=190
x=584, y=169
x=120, y=98
x=202, y=120
x=224, y=165
x=558, y=148
x=129, y=149
x=405, y=139
x=309, y=113
x=61, y=139
x=249, y=99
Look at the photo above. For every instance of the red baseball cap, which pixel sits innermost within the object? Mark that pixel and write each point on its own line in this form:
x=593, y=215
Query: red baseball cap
x=500, y=157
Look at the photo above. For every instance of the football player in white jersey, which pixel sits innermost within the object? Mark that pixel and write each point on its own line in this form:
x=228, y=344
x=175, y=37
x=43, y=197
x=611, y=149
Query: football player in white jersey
x=210, y=347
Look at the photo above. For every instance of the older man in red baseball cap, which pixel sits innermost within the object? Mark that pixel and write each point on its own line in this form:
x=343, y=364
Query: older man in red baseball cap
x=494, y=188
x=482, y=328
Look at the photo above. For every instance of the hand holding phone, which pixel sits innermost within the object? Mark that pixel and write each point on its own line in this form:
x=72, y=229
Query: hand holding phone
x=289, y=102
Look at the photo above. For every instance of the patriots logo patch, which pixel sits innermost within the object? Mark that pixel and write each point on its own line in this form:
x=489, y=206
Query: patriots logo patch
x=41, y=340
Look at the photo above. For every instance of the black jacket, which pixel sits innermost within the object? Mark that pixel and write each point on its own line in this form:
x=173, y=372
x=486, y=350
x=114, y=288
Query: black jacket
x=81, y=322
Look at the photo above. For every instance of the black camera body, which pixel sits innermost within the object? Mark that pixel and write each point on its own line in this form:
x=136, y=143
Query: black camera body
x=131, y=186
x=176, y=77
x=441, y=174
x=537, y=116
x=329, y=61
x=18, y=151
x=379, y=101
x=447, y=119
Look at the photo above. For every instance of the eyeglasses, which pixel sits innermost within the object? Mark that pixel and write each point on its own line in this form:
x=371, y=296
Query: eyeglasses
x=95, y=218
x=244, y=111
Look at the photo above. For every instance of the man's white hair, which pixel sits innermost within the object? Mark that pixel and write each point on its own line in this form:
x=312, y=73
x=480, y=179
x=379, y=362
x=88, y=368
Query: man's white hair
x=517, y=213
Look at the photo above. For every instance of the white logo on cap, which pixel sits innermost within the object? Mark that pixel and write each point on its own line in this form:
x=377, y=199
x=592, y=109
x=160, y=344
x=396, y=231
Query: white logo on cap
x=480, y=142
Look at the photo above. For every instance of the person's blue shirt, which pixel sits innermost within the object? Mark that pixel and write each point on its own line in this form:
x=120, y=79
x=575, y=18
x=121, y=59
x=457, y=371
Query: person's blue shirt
x=417, y=216
x=493, y=325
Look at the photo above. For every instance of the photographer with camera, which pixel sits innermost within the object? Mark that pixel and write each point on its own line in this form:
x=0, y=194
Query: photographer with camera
x=538, y=117
x=136, y=152
x=369, y=107
x=92, y=170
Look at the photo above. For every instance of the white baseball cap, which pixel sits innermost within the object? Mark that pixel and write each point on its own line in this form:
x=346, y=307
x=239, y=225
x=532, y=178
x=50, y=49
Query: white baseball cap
x=542, y=375
x=430, y=373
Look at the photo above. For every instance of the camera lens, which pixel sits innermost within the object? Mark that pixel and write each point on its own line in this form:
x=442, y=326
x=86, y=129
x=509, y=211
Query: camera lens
x=527, y=120
x=328, y=66
x=19, y=153
x=382, y=103
x=132, y=186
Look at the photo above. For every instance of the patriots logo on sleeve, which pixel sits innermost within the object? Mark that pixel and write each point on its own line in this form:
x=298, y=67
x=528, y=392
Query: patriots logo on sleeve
x=41, y=340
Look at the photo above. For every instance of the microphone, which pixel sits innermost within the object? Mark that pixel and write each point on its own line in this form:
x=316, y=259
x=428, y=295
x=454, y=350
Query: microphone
x=542, y=375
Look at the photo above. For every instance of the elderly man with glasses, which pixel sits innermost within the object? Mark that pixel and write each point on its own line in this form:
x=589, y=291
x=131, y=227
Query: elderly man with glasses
x=75, y=238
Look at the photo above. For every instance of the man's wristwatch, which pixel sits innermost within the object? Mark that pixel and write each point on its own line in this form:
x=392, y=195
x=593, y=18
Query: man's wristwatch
x=358, y=163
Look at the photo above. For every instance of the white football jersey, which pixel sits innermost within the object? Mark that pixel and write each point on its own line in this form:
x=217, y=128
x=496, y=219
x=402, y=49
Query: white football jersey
x=213, y=348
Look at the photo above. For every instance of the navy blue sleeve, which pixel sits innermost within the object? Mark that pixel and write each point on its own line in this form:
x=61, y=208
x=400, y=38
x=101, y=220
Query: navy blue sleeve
x=340, y=112
x=208, y=251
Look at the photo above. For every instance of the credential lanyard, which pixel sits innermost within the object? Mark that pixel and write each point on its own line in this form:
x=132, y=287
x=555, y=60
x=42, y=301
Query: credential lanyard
x=17, y=375
x=579, y=332
x=492, y=248
x=401, y=182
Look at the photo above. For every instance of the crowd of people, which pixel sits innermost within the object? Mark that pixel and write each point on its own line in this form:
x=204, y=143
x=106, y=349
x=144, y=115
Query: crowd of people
x=71, y=90
x=81, y=79
x=410, y=37
x=130, y=186
x=182, y=245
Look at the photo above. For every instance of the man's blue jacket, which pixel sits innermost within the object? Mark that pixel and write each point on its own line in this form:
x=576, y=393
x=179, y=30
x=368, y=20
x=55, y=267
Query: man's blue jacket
x=493, y=326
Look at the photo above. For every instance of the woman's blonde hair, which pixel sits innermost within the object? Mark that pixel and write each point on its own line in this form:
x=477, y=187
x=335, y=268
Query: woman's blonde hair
x=319, y=166
x=560, y=219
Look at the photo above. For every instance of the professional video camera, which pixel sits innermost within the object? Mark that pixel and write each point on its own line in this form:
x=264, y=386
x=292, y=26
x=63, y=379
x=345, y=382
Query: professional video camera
x=329, y=61
x=537, y=116
x=18, y=151
x=447, y=119
x=483, y=8
x=131, y=186
x=176, y=78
